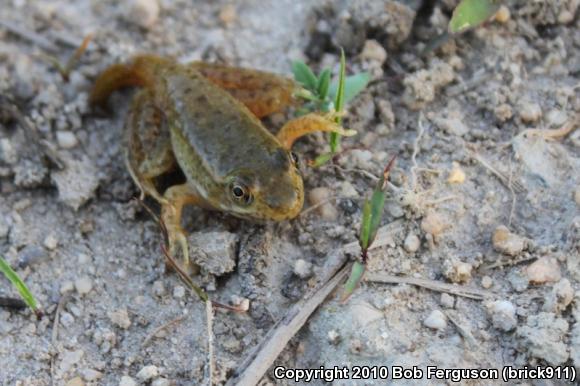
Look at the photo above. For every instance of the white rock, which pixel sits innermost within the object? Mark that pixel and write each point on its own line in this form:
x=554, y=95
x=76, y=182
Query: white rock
x=70, y=358
x=214, y=252
x=148, y=372
x=334, y=337
x=178, y=292
x=143, y=13
x=120, y=318
x=530, y=112
x=456, y=175
x=556, y=118
x=66, y=139
x=453, y=126
x=506, y=242
x=84, y=285
x=127, y=381
x=434, y=223
x=91, y=375
x=503, y=315
x=66, y=287
x=364, y=313
x=161, y=382
x=50, y=242
x=326, y=209
x=373, y=51
x=458, y=272
x=411, y=243
x=544, y=270
x=486, y=282
x=303, y=268
x=447, y=300
x=560, y=297
x=77, y=182
x=436, y=320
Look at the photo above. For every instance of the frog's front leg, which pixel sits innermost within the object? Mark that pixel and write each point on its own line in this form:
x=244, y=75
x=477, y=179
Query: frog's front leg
x=307, y=124
x=263, y=93
x=176, y=197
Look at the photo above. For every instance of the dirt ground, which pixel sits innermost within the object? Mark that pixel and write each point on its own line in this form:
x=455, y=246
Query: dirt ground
x=485, y=195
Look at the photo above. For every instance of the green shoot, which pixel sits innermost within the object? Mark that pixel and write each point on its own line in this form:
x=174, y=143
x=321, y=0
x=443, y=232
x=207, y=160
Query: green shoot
x=472, y=13
x=17, y=282
x=372, y=215
x=323, y=95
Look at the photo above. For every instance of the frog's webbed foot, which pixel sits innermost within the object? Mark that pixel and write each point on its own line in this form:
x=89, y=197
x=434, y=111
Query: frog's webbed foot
x=176, y=197
x=263, y=93
x=307, y=124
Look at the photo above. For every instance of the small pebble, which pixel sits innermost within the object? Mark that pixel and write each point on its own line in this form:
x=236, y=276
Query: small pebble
x=327, y=210
x=120, y=318
x=147, y=373
x=228, y=14
x=411, y=243
x=459, y=272
x=334, y=337
x=447, y=300
x=486, y=282
x=577, y=196
x=436, y=320
x=243, y=304
x=530, y=112
x=66, y=319
x=127, y=381
x=456, y=175
x=556, y=118
x=91, y=375
x=178, y=292
x=76, y=381
x=143, y=13
x=544, y=270
x=434, y=223
x=561, y=296
x=66, y=287
x=161, y=382
x=84, y=285
x=303, y=268
x=158, y=288
x=506, y=242
x=503, y=14
x=503, y=315
x=50, y=242
x=66, y=139
x=373, y=51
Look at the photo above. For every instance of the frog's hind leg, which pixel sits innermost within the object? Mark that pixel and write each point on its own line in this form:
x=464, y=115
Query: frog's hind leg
x=307, y=124
x=176, y=197
x=149, y=152
x=263, y=93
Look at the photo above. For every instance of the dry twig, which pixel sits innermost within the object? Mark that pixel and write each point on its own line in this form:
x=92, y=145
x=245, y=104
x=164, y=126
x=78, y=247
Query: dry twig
x=467, y=292
x=152, y=335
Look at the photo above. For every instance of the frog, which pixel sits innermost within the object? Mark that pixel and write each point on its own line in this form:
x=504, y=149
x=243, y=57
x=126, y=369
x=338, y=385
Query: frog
x=206, y=120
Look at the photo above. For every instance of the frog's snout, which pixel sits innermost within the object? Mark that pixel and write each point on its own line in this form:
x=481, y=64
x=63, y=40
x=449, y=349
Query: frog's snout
x=285, y=200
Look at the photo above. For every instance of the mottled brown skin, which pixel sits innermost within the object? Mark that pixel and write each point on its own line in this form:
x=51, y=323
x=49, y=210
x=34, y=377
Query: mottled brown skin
x=204, y=119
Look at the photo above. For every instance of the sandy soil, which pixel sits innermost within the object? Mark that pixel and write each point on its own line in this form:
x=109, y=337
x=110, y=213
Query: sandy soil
x=485, y=195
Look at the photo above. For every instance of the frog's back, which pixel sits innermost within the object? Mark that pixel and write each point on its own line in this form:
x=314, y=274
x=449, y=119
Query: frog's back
x=221, y=133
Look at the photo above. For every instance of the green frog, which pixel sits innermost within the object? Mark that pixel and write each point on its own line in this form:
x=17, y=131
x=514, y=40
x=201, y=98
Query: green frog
x=205, y=119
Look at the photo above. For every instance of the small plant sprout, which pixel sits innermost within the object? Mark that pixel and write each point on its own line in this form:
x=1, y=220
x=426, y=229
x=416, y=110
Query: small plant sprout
x=23, y=290
x=472, y=13
x=372, y=215
x=329, y=97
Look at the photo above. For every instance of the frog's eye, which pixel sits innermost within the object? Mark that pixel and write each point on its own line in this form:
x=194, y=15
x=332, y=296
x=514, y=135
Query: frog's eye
x=241, y=193
x=294, y=158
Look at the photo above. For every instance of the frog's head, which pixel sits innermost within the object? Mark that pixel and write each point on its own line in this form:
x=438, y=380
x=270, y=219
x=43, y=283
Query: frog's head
x=270, y=190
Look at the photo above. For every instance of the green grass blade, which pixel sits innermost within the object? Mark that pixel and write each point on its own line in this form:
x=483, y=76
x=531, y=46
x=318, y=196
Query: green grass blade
x=338, y=102
x=472, y=13
x=323, y=84
x=24, y=292
x=377, y=206
x=365, y=227
x=356, y=274
x=304, y=75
